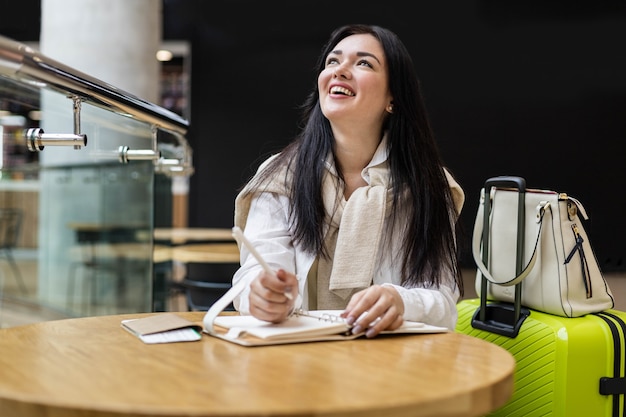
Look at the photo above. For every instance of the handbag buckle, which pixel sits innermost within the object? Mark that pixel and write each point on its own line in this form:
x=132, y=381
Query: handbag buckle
x=572, y=210
x=541, y=209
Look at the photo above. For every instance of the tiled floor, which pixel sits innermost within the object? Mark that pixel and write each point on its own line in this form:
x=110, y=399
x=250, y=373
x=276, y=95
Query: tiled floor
x=16, y=310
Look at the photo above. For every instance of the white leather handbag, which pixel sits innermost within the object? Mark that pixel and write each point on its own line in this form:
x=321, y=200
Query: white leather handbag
x=532, y=242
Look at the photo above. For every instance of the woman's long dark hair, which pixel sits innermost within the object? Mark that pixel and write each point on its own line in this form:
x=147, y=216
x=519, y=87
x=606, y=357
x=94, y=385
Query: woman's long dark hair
x=416, y=169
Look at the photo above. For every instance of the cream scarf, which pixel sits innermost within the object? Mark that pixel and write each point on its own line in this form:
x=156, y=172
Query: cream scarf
x=353, y=228
x=353, y=237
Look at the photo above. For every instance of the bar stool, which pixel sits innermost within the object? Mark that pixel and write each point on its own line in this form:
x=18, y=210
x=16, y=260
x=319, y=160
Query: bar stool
x=209, y=271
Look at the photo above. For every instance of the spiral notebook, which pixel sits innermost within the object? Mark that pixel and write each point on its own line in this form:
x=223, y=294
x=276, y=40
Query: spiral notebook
x=301, y=327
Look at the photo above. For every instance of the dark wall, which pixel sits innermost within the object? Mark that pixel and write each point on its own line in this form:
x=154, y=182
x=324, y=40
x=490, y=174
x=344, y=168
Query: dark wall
x=514, y=88
x=529, y=88
x=20, y=20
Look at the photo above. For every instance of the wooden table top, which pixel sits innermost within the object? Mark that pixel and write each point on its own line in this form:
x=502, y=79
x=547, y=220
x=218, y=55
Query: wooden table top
x=92, y=367
x=139, y=251
x=179, y=235
x=100, y=226
x=206, y=253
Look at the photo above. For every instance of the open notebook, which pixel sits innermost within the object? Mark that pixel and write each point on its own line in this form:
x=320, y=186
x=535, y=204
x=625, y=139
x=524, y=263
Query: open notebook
x=311, y=326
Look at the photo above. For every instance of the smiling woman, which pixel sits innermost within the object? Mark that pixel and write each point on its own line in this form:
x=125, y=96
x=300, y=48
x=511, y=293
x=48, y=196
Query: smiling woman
x=342, y=211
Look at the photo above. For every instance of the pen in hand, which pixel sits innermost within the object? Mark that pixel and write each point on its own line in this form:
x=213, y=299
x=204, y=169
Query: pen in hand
x=239, y=237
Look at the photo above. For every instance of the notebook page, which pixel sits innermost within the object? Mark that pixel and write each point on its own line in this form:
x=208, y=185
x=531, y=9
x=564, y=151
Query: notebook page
x=292, y=328
x=406, y=327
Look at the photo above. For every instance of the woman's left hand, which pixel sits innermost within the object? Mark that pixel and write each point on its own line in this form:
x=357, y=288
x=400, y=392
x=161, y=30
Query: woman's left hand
x=375, y=309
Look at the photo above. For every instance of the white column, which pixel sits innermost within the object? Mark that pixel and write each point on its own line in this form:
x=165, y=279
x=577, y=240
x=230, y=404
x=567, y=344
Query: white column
x=113, y=40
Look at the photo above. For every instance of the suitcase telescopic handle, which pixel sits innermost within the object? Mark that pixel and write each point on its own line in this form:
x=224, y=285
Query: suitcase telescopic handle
x=506, y=181
x=519, y=183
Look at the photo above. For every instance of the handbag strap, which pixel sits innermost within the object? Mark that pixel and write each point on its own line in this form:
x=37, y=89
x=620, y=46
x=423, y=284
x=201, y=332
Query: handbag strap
x=477, y=240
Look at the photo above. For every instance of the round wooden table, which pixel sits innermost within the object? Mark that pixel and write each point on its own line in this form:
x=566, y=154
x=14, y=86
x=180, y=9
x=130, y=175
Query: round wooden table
x=92, y=367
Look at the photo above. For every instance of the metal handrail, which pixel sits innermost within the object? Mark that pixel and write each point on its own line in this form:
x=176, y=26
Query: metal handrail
x=21, y=62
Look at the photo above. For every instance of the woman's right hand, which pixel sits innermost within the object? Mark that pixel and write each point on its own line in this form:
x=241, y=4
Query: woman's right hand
x=272, y=296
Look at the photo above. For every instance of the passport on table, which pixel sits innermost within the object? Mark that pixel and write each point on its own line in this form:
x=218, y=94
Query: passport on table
x=163, y=328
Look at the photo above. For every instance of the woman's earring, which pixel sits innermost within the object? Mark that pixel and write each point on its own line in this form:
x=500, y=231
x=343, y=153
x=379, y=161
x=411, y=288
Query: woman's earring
x=390, y=108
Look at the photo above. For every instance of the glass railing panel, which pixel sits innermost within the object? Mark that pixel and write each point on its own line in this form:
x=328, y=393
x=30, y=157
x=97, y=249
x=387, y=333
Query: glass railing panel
x=92, y=249
x=95, y=255
x=87, y=203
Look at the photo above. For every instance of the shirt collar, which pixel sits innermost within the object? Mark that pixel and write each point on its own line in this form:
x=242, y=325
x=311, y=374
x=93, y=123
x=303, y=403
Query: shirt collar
x=380, y=156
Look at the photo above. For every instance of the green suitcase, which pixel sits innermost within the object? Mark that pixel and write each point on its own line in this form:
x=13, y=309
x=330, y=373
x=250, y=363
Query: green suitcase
x=566, y=367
